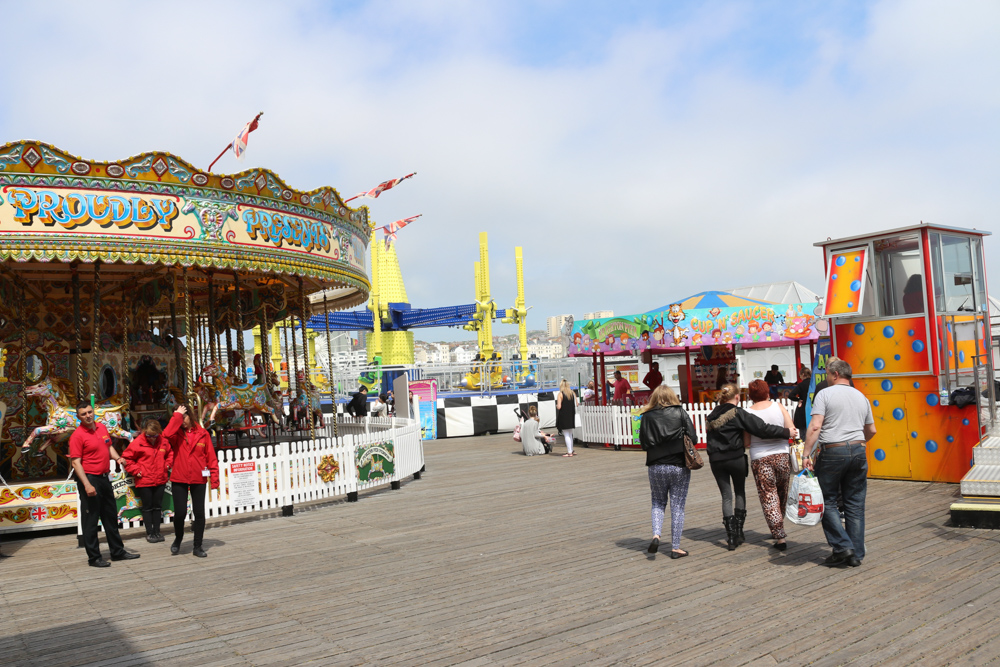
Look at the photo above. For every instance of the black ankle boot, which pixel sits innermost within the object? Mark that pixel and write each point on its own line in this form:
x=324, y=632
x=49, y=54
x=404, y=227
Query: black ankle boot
x=731, y=530
x=741, y=517
x=157, y=519
x=147, y=522
x=198, y=527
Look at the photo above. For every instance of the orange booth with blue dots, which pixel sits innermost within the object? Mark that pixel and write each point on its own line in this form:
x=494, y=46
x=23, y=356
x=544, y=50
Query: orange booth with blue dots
x=909, y=313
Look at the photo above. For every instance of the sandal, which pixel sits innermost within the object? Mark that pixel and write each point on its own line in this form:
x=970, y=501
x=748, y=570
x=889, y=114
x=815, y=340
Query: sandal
x=565, y=455
x=678, y=554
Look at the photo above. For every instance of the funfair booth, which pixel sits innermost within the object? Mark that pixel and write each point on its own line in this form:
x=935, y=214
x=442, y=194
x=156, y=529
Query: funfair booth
x=132, y=284
x=909, y=313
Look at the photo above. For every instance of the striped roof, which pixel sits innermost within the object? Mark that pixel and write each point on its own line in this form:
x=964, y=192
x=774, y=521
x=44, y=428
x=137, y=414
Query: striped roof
x=714, y=299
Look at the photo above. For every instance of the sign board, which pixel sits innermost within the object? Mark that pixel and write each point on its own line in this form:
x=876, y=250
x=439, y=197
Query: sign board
x=425, y=391
x=375, y=461
x=127, y=501
x=244, y=487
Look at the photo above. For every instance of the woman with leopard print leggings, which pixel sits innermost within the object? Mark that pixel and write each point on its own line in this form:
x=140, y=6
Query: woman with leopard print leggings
x=769, y=460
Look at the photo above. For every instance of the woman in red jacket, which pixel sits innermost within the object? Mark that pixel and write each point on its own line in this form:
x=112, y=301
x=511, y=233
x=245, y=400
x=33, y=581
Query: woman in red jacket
x=194, y=465
x=148, y=459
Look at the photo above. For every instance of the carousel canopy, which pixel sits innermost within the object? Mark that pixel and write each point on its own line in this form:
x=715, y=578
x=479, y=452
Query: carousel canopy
x=151, y=218
x=713, y=299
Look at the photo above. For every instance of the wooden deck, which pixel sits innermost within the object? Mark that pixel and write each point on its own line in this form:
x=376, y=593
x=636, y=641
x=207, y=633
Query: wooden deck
x=494, y=559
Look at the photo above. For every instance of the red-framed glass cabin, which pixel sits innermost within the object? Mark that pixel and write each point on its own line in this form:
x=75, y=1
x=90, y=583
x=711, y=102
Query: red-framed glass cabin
x=909, y=313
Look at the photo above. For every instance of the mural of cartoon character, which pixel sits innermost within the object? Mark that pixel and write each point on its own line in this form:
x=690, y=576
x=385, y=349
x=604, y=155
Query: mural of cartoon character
x=696, y=339
x=740, y=331
x=644, y=340
x=676, y=314
x=753, y=330
x=716, y=335
x=577, y=341
x=799, y=327
x=678, y=335
x=624, y=339
x=659, y=333
x=727, y=338
x=766, y=327
x=610, y=342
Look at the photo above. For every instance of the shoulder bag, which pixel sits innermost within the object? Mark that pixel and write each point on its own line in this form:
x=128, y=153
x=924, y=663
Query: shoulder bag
x=692, y=459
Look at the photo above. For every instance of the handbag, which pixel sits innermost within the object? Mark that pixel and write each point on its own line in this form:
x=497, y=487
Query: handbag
x=795, y=457
x=805, y=500
x=517, y=433
x=692, y=459
x=577, y=422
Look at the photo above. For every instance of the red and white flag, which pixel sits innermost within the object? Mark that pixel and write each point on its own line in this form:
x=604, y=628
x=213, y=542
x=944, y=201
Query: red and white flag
x=381, y=187
x=240, y=142
x=393, y=227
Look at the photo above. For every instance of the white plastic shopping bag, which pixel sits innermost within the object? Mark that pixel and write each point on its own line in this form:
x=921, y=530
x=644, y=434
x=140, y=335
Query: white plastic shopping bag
x=805, y=500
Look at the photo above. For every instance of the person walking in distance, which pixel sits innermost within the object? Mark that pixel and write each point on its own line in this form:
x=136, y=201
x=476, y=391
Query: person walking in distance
x=566, y=414
x=839, y=428
x=195, y=466
x=769, y=460
x=148, y=459
x=725, y=426
x=662, y=428
x=653, y=378
x=90, y=454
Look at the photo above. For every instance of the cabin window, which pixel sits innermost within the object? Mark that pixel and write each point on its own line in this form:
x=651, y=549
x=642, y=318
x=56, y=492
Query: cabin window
x=848, y=281
x=35, y=368
x=958, y=273
x=899, y=269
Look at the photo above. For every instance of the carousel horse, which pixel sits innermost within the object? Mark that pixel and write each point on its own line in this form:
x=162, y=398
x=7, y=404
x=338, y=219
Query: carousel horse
x=298, y=406
x=61, y=421
x=249, y=397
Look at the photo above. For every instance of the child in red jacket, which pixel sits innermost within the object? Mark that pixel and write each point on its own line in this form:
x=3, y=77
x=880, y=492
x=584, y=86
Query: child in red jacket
x=148, y=459
x=195, y=465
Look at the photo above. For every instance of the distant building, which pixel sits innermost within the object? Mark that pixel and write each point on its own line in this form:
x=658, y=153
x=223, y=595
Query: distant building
x=555, y=324
x=598, y=314
x=462, y=356
x=547, y=350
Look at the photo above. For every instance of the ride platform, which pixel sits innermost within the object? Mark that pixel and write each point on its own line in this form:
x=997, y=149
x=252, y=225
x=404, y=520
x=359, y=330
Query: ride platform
x=38, y=505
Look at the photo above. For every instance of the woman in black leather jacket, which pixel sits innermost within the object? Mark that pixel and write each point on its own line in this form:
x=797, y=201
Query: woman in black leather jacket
x=661, y=434
x=725, y=426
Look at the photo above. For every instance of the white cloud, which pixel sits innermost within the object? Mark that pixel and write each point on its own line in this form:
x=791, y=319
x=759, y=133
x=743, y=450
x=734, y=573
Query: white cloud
x=655, y=162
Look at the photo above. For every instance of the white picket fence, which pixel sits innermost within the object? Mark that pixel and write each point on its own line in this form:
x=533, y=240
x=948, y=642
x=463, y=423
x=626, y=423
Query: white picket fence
x=288, y=472
x=612, y=424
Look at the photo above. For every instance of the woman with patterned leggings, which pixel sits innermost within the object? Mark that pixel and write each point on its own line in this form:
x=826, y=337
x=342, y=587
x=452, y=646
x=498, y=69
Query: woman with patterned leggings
x=661, y=434
x=769, y=461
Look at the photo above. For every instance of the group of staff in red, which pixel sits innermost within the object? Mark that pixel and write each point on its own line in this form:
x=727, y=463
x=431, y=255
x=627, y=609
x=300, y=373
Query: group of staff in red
x=181, y=453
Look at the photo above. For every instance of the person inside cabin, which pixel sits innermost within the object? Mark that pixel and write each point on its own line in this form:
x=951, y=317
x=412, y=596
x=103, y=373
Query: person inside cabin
x=258, y=370
x=913, y=294
x=90, y=454
x=653, y=378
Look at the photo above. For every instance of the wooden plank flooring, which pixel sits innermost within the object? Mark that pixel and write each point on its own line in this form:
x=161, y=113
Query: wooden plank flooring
x=497, y=559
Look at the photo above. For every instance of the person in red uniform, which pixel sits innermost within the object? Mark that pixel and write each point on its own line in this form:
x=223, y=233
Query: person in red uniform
x=622, y=389
x=195, y=465
x=148, y=460
x=90, y=454
x=653, y=378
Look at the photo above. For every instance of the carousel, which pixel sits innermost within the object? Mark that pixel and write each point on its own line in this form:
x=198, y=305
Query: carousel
x=132, y=285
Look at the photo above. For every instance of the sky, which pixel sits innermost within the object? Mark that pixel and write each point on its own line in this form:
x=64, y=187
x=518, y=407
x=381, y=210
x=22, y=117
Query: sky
x=639, y=152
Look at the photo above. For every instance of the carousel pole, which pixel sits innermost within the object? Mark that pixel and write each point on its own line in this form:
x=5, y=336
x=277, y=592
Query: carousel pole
x=229, y=340
x=173, y=334
x=23, y=314
x=241, y=373
x=95, y=346
x=305, y=361
x=126, y=372
x=295, y=362
x=189, y=389
x=329, y=360
x=212, y=342
x=76, y=329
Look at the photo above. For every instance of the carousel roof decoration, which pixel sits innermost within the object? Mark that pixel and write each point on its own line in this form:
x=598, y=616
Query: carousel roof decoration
x=158, y=209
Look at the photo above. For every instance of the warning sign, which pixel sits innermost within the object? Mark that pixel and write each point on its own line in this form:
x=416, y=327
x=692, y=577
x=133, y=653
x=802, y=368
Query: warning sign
x=244, y=489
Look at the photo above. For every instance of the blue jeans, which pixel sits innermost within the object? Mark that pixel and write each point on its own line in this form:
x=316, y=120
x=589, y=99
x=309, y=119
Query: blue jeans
x=843, y=474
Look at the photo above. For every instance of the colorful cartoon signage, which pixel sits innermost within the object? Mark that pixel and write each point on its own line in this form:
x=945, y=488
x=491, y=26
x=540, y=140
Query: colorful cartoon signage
x=375, y=461
x=676, y=329
x=425, y=398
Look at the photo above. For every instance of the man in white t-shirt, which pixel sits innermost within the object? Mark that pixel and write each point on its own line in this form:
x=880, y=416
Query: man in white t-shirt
x=840, y=426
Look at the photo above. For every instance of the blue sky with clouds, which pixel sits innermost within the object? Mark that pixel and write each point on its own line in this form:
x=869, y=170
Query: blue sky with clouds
x=639, y=151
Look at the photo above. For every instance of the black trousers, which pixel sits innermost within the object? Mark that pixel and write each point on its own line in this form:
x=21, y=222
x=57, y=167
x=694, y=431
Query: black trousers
x=152, y=501
x=180, y=494
x=731, y=477
x=101, y=508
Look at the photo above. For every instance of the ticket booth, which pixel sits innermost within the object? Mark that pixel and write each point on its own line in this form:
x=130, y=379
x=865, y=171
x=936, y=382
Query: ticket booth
x=908, y=311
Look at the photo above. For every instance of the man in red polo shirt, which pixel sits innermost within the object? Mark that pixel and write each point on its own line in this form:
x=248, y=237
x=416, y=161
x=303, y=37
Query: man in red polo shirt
x=622, y=389
x=90, y=454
